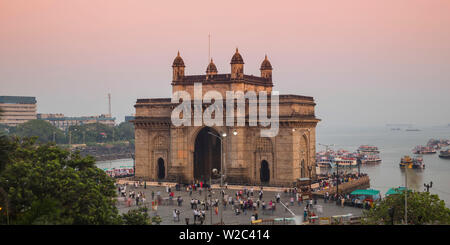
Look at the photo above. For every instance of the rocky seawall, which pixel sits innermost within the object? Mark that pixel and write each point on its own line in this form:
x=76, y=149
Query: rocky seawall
x=107, y=152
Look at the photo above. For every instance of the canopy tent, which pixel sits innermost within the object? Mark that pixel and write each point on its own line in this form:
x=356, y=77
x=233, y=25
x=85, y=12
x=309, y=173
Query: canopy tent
x=368, y=192
x=397, y=190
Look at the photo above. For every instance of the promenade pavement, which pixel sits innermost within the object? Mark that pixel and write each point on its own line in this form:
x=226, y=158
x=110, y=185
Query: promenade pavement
x=229, y=217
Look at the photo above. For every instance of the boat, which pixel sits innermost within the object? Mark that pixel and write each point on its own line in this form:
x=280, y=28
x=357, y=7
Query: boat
x=424, y=150
x=445, y=154
x=418, y=163
x=120, y=172
x=408, y=162
x=438, y=143
x=344, y=162
x=368, y=154
x=324, y=162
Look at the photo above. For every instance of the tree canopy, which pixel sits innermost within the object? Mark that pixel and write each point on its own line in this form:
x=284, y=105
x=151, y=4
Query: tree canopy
x=45, y=131
x=47, y=185
x=81, y=134
x=422, y=208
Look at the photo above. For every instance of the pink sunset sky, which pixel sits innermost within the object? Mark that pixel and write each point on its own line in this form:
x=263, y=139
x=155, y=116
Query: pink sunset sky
x=364, y=62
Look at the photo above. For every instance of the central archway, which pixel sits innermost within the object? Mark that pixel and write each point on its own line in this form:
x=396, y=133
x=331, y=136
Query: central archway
x=264, y=172
x=206, y=154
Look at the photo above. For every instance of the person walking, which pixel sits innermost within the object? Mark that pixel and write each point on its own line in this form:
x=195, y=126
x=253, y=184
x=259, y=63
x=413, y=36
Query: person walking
x=195, y=215
x=305, y=214
x=174, y=215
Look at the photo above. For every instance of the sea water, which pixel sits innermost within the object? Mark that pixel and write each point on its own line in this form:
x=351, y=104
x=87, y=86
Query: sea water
x=393, y=145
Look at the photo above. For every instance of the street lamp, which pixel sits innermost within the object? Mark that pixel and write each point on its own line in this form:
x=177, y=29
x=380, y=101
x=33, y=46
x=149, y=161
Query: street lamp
x=359, y=167
x=134, y=164
x=310, y=168
x=428, y=186
x=337, y=179
x=221, y=169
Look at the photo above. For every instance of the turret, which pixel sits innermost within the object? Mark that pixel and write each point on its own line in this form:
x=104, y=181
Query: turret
x=237, y=66
x=266, y=69
x=211, y=69
x=178, y=68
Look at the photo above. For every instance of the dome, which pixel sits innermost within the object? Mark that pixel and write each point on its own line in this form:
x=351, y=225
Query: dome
x=211, y=68
x=237, y=58
x=178, y=61
x=265, y=65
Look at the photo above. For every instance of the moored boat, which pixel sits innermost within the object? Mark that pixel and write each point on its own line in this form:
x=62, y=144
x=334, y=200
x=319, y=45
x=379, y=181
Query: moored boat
x=368, y=154
x=345, y=162
x=445, y=154
x=409, y=162
x=418, y=162
x=424, y=150
x=406, y=162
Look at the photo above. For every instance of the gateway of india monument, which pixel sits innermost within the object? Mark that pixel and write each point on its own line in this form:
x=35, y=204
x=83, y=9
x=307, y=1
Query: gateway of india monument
x=184, y=154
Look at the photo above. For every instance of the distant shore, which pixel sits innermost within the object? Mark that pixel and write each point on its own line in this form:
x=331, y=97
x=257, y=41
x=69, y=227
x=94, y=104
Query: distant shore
x=107, y=152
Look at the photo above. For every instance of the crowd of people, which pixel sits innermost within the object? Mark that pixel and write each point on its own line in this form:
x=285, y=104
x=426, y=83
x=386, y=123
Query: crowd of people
x=128, y=195
x=248, y=200
x=331, y=180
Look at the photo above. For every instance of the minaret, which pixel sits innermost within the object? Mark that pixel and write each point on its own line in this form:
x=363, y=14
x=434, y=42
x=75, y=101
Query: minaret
x=266, y=69
x=178, y=68
x=237, y=66
x=211, y=70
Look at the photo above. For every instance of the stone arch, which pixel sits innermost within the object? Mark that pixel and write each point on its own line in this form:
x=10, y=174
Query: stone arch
x=206, y=153
x=161, y=168
x=304, y=149
x=302, y=169
x=264, y=172
x=193, y=136
x=304, y=156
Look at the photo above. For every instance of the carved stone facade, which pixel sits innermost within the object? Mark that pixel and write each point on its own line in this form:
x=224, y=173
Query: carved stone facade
x=164, y=151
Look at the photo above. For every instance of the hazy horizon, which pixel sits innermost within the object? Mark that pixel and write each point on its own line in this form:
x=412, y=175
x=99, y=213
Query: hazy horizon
x=366, y=63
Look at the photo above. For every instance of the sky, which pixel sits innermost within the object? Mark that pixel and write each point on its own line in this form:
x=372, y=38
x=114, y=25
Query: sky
x=366, y=63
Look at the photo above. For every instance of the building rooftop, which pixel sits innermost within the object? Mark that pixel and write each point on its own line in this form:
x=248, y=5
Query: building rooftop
x=223, y=78
x=17, y=99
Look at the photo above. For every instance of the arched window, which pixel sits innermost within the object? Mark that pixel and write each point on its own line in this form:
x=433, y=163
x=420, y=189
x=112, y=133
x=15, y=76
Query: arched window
x=302, y=169
x=161, y=169
x=160, y=142
x=263, y=145
x=304, y=154
x=264, y=172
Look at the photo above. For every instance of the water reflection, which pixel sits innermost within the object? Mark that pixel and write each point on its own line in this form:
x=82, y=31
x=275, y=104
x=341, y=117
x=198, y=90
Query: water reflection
x=414, y=178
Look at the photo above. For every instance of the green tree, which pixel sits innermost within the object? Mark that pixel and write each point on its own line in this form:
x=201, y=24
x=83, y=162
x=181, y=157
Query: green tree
x=423, y=208
x=101, y=133
x=137, y=217
x=91, y=133
x=125, y=131
x=47, y=185
x=41, y=129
